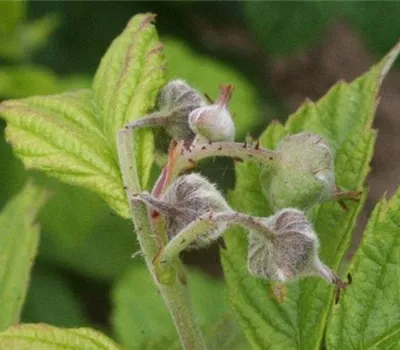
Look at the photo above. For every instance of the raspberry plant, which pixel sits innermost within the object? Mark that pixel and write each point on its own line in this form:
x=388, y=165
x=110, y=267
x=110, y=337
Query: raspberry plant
x=289, y=220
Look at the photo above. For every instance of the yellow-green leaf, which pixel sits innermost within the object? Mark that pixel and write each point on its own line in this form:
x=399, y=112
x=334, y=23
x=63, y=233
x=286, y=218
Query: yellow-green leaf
x=127, y=82
x=60, y=135
x=368, y=314
x=72, y=136
x=19, y=238
x=44, y=337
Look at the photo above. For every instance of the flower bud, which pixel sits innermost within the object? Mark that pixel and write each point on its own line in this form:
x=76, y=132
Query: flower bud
x=291, y=253
x=214, y=122
x=176, y=100
x=304, y=174
x=185, y=200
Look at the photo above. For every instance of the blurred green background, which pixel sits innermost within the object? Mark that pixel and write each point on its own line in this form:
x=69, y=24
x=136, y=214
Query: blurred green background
x=275, y=53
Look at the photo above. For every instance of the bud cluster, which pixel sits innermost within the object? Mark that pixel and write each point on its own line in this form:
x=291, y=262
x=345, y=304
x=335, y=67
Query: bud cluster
x=296, y=176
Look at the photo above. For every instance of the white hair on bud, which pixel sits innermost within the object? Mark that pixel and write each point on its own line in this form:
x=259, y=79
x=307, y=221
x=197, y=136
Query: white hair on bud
x=177, y=99
x=293, y=252
x=194, y=195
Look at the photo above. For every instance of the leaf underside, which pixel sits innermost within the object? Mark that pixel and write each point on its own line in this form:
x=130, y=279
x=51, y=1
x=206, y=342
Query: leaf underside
x=344, y=117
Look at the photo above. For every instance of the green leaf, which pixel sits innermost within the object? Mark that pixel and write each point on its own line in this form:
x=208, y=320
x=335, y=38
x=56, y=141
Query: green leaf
x=45, y=337
x=73, y=221
x=206, y=74
x=82, y=234
x=19, y=238
x=344, y=117
x=140, y=315
x=126, y=85
x=367, y=316
x=51, y=300
x=72, y=136
x=60, y=135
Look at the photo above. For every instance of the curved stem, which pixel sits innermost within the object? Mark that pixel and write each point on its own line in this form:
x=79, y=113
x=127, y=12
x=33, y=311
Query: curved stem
x=181, y=157
x=176, y=297
x=205, y=223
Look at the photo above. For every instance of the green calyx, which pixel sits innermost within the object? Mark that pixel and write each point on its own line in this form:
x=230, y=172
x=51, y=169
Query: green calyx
x=304, y=174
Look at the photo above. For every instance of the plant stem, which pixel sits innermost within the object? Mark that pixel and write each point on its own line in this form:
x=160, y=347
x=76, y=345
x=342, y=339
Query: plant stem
x=181, y=158
x=207, y=222
x=186, y=158
x=176, y=297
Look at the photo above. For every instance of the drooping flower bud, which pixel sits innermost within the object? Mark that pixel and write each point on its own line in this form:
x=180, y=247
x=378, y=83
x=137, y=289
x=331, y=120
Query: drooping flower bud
x=291, y=253
x=185, y=200
x=178, y=99
x=214, y=122
x=304, y=174
x=174, y=103
x=184, y=113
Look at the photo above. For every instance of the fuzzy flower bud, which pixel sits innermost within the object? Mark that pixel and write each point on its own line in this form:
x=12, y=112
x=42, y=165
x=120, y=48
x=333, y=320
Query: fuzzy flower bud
x=185, y=200
x=304, y=175
x=214, y=122
x=291, y=253
x=176, y=100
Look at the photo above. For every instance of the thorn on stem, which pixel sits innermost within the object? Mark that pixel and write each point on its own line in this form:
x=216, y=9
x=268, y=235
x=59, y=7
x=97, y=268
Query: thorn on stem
x=136, y=254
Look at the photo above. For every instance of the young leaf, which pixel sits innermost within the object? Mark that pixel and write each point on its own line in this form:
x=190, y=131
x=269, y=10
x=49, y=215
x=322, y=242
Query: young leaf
x=367, y=316
x=60, y=135
x=72, y=136
x=45, y=337
x=126, y=85
x=140, y=314
x=297, y=320
x=19, y=238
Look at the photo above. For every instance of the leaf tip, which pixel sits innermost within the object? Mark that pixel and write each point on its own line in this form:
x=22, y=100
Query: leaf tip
x=388, y=61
